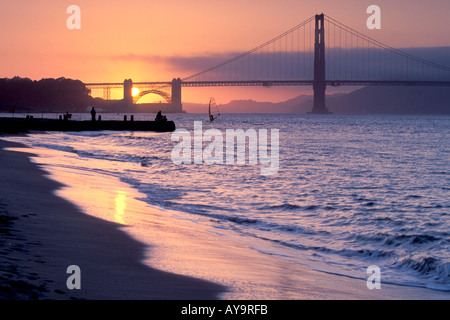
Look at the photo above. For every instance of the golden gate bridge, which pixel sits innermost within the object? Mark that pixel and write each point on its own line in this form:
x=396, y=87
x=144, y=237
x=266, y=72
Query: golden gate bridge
x=318, y=52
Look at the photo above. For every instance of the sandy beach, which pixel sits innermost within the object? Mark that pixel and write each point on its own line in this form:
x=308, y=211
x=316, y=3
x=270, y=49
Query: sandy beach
x=42, y=234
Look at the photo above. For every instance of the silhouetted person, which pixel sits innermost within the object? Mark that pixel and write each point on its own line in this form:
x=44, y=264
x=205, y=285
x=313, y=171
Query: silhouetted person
x=160, y=117
x=93, y=113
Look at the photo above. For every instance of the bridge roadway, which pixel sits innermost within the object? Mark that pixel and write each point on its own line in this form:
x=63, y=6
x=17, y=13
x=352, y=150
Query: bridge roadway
x=269, y=83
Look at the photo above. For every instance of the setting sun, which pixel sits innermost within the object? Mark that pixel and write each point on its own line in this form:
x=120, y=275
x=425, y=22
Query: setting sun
x=135, y=92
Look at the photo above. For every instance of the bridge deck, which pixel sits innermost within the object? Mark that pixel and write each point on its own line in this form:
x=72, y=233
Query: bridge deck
x=269, y=83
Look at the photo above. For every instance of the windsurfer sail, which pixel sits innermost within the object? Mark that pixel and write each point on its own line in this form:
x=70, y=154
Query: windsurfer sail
x=213, y=110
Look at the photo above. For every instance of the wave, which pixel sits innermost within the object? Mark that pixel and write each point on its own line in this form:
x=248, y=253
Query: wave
x=414, y=239
x=54, y=147
x=144, y=161
x=284, y=206
x=434, y=270
x=92, y=134
x=397, y=240
x=131, y=137
x=289, y=207
x=427, y=272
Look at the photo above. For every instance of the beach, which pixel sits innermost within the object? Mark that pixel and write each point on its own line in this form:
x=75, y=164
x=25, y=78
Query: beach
x=43, y=234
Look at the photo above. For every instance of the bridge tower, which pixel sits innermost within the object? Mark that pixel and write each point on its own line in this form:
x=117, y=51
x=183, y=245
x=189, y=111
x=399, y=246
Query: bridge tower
x=127, y=91
x=319, y=84
x=176, y=94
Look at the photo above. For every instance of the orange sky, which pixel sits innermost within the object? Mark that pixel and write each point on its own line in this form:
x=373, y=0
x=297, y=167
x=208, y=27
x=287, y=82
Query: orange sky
x=136, y=38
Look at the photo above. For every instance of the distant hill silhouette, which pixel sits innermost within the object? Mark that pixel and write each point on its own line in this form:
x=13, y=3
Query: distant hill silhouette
x=369, y=100
x=393, y=100
x=251, y=106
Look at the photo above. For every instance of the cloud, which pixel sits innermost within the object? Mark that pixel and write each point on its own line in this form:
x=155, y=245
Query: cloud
x=183, y=64
x=341, y=64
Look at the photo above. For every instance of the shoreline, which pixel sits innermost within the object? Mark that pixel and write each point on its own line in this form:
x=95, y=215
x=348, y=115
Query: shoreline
x=112, y=262
x=45, y=234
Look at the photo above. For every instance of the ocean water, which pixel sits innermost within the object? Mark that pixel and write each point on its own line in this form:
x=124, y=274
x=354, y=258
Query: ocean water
x=351, y=190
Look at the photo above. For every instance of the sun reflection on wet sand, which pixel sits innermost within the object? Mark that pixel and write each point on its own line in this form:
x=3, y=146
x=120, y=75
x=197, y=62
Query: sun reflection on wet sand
x=121, y=205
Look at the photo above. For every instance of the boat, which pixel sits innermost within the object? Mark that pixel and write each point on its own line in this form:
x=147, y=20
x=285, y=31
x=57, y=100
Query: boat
x=213, y=110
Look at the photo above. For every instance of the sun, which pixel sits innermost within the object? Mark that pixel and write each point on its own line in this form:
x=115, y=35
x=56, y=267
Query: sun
x=134, y=92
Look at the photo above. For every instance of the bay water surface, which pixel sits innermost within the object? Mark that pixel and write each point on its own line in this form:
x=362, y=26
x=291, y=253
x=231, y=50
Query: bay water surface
x=351, y=191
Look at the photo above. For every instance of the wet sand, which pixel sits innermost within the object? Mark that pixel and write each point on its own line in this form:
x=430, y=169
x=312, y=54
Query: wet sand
x=42, y=234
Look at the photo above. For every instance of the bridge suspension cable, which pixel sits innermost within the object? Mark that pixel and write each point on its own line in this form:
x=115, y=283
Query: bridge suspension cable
x=258, y=48
x=350, y=56
x=364, y=57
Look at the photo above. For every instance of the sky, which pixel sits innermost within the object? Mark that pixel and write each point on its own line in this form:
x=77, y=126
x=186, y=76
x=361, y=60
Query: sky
x=159, y=40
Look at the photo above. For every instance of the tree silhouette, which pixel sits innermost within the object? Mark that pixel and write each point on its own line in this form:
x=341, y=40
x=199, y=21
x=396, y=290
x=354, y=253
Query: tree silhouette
x=58, y=95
